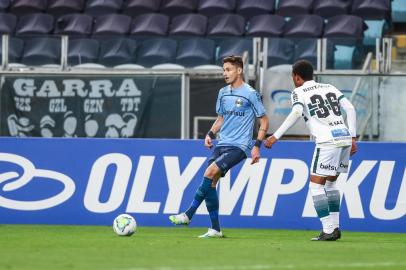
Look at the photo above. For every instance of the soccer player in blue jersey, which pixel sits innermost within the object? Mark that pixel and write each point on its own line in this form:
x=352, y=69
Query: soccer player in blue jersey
x=238, y=105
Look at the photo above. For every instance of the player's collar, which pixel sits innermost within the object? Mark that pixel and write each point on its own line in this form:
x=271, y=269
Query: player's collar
x=307, y=83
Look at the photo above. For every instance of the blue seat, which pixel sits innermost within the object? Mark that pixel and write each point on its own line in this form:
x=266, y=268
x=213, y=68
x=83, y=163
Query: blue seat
x=343, y=57
x=226, y=25
x=112, y=24
x=251, y=8
x=137, y=7
x=280, y=51
x=399, y=11
x=35, y=24
x=345, y=26
x=174, y=8
x=189, y=25
x=290, y=8
x=15, y=49
x=103, y=7
x=21, y=7
x=195, y=52
x=233, y=46
x=4, y=4
x=304, y=26
x=375, y=30
x=212, y=8
x=41, y=51
x=331, y=8
x=117, y=51
x=7, y=23
x=157, y=51
x=83, y=50
x=306, y=49
x=371, y=9
x=150, y=24
x=62, y=7
x=74, y=25
x=266, y=26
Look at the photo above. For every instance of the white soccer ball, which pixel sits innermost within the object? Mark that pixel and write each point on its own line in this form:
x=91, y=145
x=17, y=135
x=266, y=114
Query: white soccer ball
x=124, y=225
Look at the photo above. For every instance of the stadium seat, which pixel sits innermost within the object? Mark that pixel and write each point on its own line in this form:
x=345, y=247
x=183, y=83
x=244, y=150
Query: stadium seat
x=280, y=51
x=195, y=51
x=21, y=7
x=343, y=57
x=290, y=8
x=251, y=8
x=90, y=66
x=330, y=8
x=189, y=24
x=62, y=7
x=41, y=51
x=82, y=51
x=157, y=51
x=117, y=51
x=306, y=49
x=345, y=26
x=371, y=9
x=129, y=66
x=137, y=7
x=307, y=26
x=35, y=24
x=168, y=66
x=375, y=30
x=266, y=26
x=150, y=24
x=399, y=11
x=103, y=7
x=226, y=25
x=177, y=7
x=233, y=46
x=212, y=8
x=7, y=23
x=74, y=25
x=112, y=24
x=4, y=4
x=15, y=49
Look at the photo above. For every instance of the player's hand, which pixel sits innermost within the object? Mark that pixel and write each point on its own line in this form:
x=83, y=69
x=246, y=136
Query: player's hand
x=208, y=142
x=271, y=140
x=255, y=155
x=354, y=147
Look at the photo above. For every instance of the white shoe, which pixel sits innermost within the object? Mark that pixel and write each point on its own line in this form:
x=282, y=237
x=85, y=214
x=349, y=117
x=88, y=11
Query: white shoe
x=212, y=233
x=180, y=219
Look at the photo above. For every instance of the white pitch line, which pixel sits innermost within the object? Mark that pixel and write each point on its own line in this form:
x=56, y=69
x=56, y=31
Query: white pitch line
x=276, y=266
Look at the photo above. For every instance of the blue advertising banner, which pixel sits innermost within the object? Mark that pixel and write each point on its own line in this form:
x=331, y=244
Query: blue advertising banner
x=90, y=181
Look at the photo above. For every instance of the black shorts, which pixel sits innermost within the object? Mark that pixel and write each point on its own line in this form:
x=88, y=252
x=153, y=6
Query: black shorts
x=226, y=157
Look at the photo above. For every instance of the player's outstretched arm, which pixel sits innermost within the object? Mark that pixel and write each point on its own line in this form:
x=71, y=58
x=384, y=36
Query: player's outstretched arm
x=263, y=128
x=295, y=114
x=211, y=135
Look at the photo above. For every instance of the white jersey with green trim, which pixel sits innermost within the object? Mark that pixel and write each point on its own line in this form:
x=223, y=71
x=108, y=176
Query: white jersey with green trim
x=322, y=113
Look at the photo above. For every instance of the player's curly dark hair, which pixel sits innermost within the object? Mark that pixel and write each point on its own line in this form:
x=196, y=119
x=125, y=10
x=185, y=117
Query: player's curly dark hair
x=234, y=60
x=304, y=69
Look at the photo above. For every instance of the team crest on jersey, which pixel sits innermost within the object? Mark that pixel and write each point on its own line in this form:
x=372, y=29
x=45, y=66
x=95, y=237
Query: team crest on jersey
x=239, y=102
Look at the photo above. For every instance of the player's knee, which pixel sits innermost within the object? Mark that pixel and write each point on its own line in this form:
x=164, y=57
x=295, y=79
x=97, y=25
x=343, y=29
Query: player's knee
x=212, y=172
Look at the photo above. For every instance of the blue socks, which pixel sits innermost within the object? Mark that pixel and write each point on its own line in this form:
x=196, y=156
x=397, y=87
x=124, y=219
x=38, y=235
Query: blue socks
x=209, y=194
x=212, y=203
x=201, y=192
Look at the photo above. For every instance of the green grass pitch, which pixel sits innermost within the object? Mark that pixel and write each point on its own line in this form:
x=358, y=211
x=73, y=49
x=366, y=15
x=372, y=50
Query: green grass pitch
x=97, y=247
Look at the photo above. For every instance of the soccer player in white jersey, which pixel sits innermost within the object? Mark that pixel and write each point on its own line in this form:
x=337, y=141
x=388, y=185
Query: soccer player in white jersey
x=238, y=105
x=320, y=105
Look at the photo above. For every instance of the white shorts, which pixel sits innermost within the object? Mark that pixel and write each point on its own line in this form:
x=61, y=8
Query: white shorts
x=330, y=161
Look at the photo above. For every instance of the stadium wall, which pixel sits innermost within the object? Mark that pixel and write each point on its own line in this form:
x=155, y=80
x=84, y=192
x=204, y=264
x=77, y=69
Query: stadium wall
x=90, y=181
